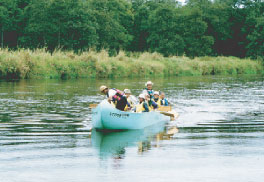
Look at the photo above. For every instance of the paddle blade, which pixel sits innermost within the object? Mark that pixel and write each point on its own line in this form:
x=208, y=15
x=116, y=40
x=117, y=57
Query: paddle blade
x=164, y=108
x=93, y=106
x=173, y=114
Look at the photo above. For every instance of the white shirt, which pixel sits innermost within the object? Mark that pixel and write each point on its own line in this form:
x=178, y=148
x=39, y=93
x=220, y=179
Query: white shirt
x=145, y=92
x=111, y=93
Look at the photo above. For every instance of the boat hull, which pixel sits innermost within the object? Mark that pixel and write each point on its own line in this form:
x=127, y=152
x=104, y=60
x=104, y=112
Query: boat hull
x=105, y=116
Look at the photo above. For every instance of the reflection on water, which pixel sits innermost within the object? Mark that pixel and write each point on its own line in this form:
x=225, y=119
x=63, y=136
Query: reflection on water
x=114, y=144
x=45, y=132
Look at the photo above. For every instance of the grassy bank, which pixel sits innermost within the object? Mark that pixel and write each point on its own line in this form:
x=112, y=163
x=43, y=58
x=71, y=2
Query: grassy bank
x=23, y=64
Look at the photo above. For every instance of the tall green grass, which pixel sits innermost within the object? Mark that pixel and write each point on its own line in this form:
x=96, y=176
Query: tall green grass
x=24, y=64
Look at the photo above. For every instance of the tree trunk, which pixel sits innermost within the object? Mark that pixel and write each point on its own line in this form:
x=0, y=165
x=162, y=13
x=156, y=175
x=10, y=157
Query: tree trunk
x=59, y=41
x=2, y=38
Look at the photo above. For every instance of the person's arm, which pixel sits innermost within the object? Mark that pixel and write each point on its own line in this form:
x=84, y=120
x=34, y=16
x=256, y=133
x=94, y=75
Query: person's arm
x=145, y=105
x=145, y=92
x=111, y=93
x=155, y=106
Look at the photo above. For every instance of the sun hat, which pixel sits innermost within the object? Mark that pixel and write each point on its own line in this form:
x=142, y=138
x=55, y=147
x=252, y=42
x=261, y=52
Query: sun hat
x=149, y=83
x=102, y=88
x=156, y=93
x=127, y=91
x=142, y=96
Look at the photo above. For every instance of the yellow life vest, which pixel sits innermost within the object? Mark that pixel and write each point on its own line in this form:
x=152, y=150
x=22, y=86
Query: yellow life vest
x=150, y=107
x=130, y=102
x=140, y=107
x=158, y=102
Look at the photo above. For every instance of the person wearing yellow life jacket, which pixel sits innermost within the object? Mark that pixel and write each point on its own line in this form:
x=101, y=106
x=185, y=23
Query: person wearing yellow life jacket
x=163, y=101
x=142, y=106
x=115, y=96
x=157, y=99
x=131, y=100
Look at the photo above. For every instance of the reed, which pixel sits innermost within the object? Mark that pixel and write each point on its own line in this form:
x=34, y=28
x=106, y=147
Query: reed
x=25, y=64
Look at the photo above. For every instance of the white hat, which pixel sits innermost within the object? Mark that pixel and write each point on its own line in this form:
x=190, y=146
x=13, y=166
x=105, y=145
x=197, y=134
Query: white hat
x=156, y=93
x=149, y=83
x=127, y=91
x=141, y=96
x=102, y=88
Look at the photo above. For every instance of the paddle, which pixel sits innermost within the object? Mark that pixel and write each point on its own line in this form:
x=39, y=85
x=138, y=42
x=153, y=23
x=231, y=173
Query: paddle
x=164, y=108
x=93, y=106
x=172, y=114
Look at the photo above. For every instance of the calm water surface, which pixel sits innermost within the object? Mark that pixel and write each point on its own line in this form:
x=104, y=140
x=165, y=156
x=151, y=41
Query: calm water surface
x=45, y=132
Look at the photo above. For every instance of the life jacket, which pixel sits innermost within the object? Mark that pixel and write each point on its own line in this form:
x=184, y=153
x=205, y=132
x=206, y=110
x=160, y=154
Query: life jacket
x=130, y=102
x=128, y=105
x=119, y=94
x=140, y=107
x=158, y=101
x=164, y=102
x=150, y=105
x=150, y=92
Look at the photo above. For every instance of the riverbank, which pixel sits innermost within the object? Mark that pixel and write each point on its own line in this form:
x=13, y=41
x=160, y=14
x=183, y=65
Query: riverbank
x=26, y=64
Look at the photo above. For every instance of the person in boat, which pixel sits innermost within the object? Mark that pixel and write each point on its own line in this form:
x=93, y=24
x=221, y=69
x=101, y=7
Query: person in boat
x=163, y=101
x=151, y=103
x=148, y=90
x=115, y=96
x=157, y=98
x=130, y=98
x=143, y=105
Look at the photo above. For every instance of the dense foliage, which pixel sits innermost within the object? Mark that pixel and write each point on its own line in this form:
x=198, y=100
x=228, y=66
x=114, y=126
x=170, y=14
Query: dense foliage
x=199, y=28
x=27, y=64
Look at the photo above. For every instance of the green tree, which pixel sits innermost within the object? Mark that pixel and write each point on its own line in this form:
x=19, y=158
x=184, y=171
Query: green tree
x=194, y=34
x=217, y=16
x=10, y=15
x=165, y=31
x=254, y=28
x=66, y=24
x=115, y=20
x=3, y=22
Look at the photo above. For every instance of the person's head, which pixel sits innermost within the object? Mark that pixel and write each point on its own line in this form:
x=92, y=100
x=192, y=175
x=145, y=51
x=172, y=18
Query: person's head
x=162, y=95
x=147, y=97
x=149, y=85
x=156, y=94
x=127, y=92
x=104, y=89
x=141, y=98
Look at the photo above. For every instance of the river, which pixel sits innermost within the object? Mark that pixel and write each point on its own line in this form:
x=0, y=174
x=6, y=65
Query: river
x=45, y=132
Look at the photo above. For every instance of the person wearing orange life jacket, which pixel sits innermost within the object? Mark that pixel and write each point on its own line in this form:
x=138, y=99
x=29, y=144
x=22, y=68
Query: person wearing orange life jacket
x=116, y=96
x=143, y=105
x=157, y=99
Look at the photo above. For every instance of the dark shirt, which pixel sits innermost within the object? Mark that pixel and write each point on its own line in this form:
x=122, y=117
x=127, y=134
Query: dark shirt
x=146, y=107
x=152, y=103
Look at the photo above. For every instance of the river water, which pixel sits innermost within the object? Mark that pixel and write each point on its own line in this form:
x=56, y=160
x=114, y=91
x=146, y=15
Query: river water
x=45, y=132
